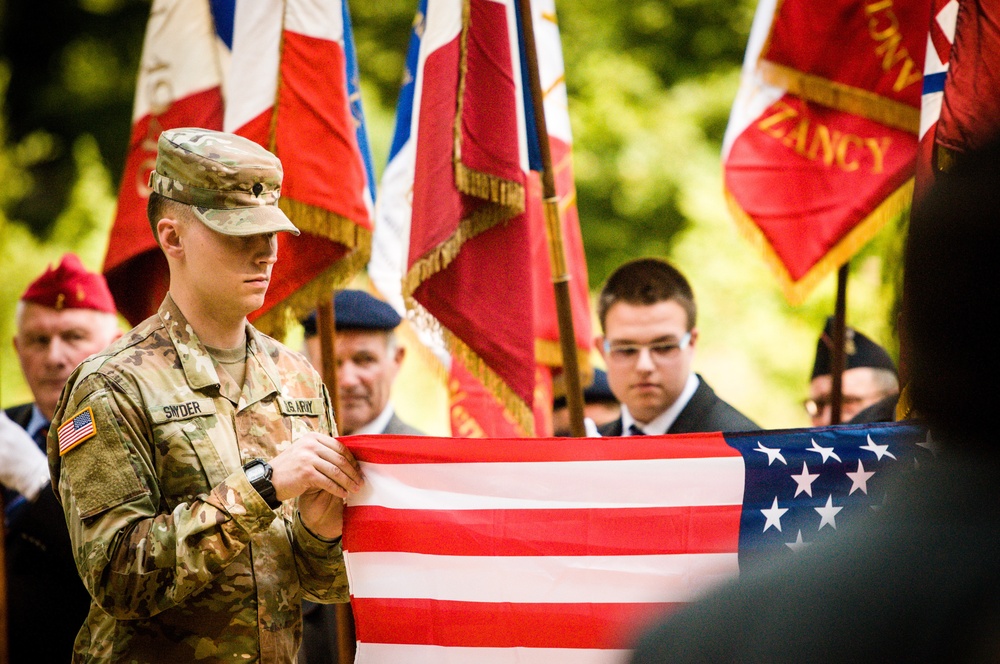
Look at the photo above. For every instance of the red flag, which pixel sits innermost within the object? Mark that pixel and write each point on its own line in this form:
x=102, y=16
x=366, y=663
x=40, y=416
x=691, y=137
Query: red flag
x=283, y=83
x=861, y=57
x=811, y=177
x=469, y=260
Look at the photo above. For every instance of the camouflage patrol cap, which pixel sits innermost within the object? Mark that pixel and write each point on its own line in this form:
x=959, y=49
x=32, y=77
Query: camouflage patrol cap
x=231, y=183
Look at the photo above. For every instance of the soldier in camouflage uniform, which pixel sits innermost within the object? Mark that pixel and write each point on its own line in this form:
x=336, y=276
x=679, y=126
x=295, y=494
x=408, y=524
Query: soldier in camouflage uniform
x=194, y=458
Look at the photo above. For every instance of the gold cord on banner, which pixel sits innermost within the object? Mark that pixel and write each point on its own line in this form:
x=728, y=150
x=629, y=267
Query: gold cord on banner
x=841, y=97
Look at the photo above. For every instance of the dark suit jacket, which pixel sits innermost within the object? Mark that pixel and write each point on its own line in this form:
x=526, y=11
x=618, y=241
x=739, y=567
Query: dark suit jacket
x=398, y=426
x=47, y=601
x=704, y=412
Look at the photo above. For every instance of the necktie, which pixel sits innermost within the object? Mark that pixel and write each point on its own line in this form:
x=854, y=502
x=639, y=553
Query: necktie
x=41, y=436
x=634, y=430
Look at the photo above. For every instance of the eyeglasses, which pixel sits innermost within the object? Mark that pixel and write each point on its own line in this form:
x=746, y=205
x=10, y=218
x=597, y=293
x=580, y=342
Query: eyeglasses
x=816, y=406
x=660, y=351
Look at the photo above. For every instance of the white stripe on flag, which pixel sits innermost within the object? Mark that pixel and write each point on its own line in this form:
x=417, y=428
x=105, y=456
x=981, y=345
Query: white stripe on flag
x=393, y=653
x=252, y=83
x=569, y=484
x=538, y=579
x=179, y=56
x=321, y=19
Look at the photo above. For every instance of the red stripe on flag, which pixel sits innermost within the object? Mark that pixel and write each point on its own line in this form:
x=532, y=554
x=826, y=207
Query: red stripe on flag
x=502, y=625
x=316, y=139
x=544, y=532
x=133, y=255
x=414, y=449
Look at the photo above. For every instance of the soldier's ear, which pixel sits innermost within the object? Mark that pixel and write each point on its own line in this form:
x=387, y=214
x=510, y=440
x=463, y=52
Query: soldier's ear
x=169, y=235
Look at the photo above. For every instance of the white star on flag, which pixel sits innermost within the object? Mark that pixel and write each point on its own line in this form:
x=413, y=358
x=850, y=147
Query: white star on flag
x=829, y=513
x=879, y=450
x=860, y=479
x=774, y=515
x=772, y=454
x=825, y=452
x=798, y=544
x=804, y=481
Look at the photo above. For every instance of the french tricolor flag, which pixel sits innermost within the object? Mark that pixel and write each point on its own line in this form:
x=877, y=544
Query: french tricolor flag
x=282, y=73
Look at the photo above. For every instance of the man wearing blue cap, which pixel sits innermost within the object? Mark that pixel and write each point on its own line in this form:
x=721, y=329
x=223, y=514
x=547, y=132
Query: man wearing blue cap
x=599, y=406
x=368, y=359
x=869, y=384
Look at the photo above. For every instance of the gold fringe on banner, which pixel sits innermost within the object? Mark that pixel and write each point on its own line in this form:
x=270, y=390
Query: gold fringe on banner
x=549, y=353
x=522, y=413
x=797, y=291
x=490, y=188
x=842, y=97
x=330, y=226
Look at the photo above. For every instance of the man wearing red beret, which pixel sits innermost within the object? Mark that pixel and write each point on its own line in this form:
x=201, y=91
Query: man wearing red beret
x=63, y=317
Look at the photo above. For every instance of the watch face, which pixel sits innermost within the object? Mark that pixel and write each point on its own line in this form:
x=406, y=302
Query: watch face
x=254, y=472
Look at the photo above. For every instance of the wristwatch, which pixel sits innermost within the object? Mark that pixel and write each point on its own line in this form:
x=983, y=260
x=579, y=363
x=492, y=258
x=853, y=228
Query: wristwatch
x=259, y=473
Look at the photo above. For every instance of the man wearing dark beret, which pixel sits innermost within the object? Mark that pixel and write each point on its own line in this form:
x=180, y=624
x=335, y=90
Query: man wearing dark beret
x=369, y=357
x=869, y=384
x=63, y=317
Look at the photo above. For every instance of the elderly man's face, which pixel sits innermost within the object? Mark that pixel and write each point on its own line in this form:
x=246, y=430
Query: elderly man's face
x=50, y=343
x=367, y=365
x=859, y=387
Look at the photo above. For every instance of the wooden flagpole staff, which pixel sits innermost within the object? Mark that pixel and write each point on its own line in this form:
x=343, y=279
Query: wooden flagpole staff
x=838, y=356
x=326, y=330
x=553, y=227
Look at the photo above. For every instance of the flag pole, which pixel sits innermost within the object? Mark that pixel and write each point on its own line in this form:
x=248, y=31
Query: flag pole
x=326, y=329
x=553, y=227
x=838, y=357
x=4, y=651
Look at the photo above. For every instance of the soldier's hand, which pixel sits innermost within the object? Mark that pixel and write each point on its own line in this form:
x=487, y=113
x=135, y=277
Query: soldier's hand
x=321, y=473
x=315, y=462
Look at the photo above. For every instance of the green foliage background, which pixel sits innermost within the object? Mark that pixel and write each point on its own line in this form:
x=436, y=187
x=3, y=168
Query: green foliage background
x=650, y=85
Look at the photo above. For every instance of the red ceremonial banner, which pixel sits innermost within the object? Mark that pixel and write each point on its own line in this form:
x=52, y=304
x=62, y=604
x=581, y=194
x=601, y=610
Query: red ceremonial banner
x=862, y=57
x=469, y=260
x=821, y=145
x=807, y=183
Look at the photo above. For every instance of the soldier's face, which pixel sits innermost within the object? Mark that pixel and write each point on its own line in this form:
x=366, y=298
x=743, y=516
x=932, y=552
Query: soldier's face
x=50, y=343
x=367, y=365
x=228, y=273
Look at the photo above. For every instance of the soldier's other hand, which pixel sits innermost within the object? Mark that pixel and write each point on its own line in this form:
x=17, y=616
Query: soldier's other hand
x=315, y=462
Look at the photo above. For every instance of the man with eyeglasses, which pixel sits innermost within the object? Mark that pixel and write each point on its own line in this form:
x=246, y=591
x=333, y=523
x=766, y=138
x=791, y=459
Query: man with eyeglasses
x=648, y=314
x=869, y=384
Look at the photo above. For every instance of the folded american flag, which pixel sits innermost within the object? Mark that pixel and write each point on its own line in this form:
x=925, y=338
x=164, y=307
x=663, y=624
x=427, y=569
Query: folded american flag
x=559, y=550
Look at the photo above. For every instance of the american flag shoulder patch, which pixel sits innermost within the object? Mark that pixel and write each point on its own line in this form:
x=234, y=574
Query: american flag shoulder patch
x=75, y=430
